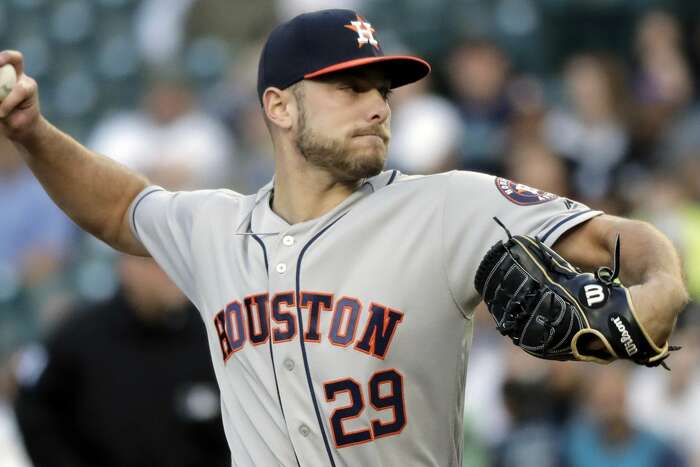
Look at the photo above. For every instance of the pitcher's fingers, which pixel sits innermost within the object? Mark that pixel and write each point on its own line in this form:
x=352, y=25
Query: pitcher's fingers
x=24, y=90
x=15, y=58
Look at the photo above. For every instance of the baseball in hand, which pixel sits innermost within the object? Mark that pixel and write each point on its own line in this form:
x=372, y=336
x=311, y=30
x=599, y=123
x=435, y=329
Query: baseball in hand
x=8, y=79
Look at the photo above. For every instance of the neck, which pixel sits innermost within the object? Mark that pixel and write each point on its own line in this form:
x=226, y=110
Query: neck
x=304, y=192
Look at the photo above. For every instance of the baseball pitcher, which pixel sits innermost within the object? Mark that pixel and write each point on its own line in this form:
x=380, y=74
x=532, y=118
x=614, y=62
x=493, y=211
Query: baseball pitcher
x=338, y=300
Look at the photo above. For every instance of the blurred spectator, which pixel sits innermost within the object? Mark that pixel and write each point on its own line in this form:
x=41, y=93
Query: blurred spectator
x=487, y=372
x=605, y=436
x=171, y=135
x=215, y=18
x=663, y=83
x=668, y=199
x=661, y=200
x=566, y=384
x=36, y=235
x=532, y=440
x=257, y=163
x=124, y=383
x=478, y=77
x=236, y=89
x=11, y=450
x=532, y=163
x=474, y=451
x=289, y=8
x=663, y=76
x=527, y=95
x=426, y=130
x=668, y=403
x=694, y=45
x=35, y=243
x=591, y=131
x=159, y=27
x=217, y=40
x=680, y=143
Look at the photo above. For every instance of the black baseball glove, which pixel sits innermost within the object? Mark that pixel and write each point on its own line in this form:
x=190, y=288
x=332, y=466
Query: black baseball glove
x=554, y=311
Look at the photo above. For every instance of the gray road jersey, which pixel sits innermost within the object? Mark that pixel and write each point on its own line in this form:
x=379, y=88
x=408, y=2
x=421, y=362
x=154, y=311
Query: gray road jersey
x=343, y=340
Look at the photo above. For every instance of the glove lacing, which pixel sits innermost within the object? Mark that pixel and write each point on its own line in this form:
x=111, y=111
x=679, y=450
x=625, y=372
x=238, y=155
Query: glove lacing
x=513, y=319
x=517, y=312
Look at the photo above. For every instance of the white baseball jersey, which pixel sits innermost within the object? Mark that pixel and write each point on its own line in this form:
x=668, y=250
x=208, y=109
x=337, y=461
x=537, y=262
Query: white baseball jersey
x=343, y=340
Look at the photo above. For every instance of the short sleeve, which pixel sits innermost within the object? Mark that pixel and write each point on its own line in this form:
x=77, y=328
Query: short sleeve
x=163, y=222
x=473, y=200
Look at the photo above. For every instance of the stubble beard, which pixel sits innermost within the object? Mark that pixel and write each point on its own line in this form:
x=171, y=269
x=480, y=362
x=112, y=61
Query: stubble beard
x=335, y=155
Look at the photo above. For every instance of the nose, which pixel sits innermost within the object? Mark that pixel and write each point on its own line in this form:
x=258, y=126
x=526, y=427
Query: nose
x=378, y=106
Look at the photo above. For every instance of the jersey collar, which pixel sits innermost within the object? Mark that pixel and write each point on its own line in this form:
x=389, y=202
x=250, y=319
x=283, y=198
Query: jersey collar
x=271, y=224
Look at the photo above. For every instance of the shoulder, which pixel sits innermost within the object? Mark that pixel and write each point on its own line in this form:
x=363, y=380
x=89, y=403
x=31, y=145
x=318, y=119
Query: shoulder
x=463, y=178
x=396, y=180
x=206, y=196
x=220, y=197
x=460, y=183
x=183, y=202
x=457, y=184
x=224, y=204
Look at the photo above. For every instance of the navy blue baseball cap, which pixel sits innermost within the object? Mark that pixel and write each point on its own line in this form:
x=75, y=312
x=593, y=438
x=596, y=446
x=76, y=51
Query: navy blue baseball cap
x=322, y=42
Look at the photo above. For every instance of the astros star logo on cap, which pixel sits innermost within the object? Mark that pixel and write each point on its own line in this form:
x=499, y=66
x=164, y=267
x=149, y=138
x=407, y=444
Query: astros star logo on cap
x=364, y=32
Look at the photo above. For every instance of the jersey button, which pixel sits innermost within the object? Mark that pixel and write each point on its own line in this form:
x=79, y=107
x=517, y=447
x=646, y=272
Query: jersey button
x=304, y=430
x=289, y=364
x=281, y=268
x=288, y=240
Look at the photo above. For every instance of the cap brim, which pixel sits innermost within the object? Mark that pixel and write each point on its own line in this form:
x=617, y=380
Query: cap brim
x=401, y=69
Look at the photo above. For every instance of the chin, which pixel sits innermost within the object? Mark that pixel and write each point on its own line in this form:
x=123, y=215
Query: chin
x=370, y=143
x=372, y=150
x=367, y=166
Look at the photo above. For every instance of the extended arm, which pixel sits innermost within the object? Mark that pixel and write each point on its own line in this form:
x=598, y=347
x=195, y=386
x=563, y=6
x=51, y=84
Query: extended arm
x=92, y=190
x=650, y=267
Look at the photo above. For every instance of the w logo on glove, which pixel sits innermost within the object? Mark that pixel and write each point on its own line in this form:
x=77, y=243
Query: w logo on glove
x=594, y=295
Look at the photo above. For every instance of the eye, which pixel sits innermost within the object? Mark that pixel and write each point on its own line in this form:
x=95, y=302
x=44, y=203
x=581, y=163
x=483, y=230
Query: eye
x=350, y=88
x=385, y=92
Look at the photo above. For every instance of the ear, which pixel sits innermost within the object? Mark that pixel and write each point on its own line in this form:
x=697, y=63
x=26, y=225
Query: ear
x=279, y=108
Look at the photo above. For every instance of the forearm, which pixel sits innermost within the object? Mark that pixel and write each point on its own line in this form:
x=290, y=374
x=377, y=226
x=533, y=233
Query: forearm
x=646, y=253
x=93, y=190
x=651, y=268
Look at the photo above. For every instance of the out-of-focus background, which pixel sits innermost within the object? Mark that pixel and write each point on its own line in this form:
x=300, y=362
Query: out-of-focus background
x=591, y=99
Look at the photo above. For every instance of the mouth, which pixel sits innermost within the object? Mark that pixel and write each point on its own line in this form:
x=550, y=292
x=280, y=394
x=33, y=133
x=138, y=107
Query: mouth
x=370, y=136
x=383, y=138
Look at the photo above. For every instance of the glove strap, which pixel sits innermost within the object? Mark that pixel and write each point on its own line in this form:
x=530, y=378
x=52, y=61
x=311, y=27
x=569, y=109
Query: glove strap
x=606, y=275
x=498, y=221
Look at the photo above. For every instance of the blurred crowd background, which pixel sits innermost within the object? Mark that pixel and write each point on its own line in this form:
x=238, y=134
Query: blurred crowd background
x=596, y=100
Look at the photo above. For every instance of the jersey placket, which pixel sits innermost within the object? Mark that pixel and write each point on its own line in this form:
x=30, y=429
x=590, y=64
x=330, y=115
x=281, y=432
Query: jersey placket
x=302, y=413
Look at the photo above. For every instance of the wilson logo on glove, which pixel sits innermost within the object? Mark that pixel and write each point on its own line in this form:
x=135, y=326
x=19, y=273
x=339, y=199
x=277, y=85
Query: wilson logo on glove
x=625, y=338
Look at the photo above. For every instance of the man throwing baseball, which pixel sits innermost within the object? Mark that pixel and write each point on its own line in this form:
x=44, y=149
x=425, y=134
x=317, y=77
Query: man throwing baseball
x=338, y=300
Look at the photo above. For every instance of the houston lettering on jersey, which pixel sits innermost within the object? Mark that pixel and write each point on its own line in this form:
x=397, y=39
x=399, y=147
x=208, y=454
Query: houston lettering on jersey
x=258, y=318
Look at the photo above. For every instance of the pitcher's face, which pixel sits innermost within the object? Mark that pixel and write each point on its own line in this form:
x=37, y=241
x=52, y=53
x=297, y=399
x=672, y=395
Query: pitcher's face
x=343, y=123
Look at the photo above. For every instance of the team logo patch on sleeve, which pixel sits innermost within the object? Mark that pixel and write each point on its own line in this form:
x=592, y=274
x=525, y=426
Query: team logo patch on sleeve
x=522, y=194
